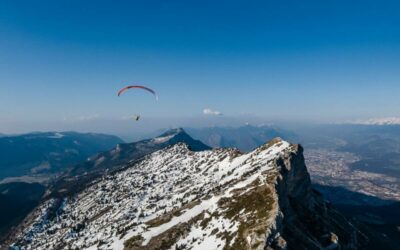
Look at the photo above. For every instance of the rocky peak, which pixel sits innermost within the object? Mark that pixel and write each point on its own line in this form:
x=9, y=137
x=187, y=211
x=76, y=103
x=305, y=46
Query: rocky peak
x=175, y=131
x=179, y=135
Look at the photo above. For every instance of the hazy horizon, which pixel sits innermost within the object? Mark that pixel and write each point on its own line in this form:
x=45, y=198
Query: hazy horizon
x=211, y=63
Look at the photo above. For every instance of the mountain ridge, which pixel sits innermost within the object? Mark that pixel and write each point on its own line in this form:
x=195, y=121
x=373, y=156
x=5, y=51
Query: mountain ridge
x=175, y=197
x=115, y=159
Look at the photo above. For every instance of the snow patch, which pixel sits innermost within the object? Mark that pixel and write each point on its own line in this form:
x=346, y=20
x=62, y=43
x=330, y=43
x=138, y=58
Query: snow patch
x=163, y=139
x=56, y=136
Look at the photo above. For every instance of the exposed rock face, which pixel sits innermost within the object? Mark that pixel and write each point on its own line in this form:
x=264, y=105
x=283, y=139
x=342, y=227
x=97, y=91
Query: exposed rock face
x=216, y=199
x=308, y=221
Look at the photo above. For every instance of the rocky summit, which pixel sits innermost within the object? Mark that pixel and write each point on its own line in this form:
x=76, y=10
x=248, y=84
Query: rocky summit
x=176, y=198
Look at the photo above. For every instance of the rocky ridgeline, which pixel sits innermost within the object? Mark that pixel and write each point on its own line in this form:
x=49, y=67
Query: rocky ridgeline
x=179, y=199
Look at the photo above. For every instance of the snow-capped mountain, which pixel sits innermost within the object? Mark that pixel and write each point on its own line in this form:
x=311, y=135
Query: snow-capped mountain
x=117, y=158
x=130, y=151
x=378, y=121
x=176, y=198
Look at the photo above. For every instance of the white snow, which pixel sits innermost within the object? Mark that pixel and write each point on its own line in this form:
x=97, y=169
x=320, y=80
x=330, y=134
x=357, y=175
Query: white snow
x=56, y=136
x=196, y=210
x=163, y=139
x=376, y=121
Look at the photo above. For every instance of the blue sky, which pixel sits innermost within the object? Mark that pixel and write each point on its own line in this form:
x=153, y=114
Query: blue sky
x=62, y=62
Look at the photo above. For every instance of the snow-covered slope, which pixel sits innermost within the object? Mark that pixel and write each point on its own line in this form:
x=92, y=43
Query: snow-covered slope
x=117, y=158
x=179, y=199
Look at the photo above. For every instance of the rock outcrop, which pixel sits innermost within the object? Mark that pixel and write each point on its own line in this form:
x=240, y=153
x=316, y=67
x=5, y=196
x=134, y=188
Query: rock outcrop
x=309, y=222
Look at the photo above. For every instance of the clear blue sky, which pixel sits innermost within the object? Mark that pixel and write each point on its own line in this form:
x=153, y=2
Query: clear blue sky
x=62, y=62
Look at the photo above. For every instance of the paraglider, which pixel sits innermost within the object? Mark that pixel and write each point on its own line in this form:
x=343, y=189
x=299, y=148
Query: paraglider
x=137, y=87
x=137, y=117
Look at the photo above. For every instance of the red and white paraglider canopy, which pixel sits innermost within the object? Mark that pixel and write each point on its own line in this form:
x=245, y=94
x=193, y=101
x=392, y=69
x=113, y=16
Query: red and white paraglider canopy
x=137, y=87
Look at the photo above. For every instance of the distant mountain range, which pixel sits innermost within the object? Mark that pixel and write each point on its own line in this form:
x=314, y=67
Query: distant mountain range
x=378, y=121
x=245, y=138
x=49, y=152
